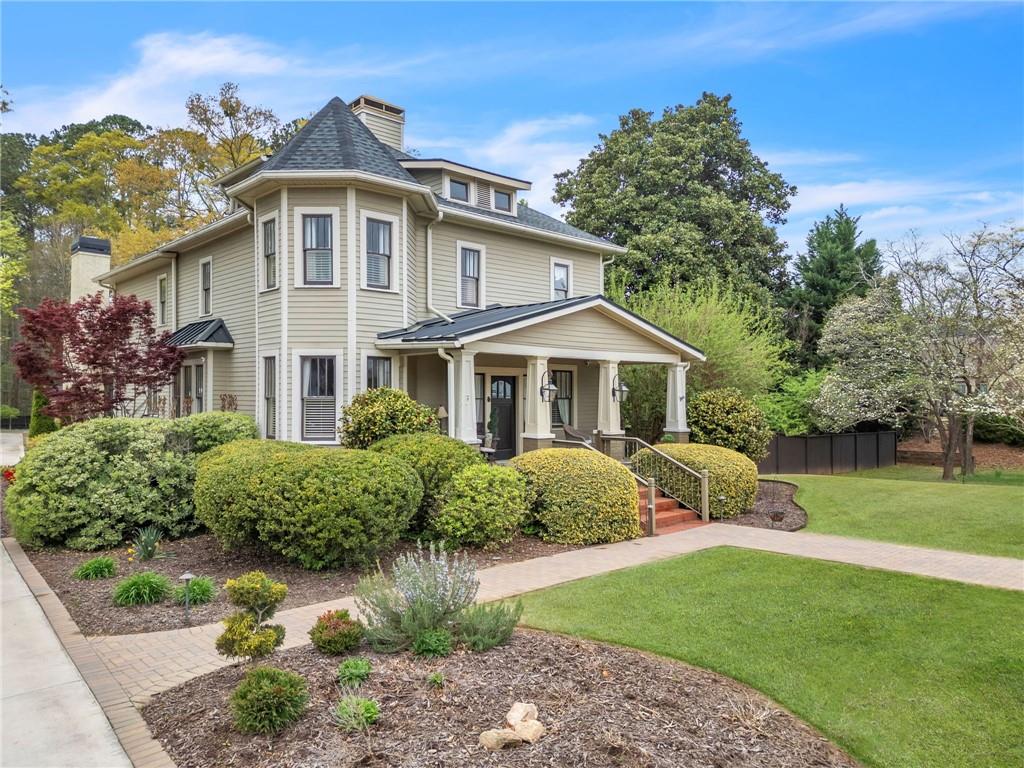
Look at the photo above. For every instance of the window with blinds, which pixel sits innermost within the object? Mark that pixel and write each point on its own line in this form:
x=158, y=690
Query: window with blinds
x=206, y=287
x=561, y=405
x=270, y=397
x=270, y=254
x=318, y=258
x=378, y=372
x=469, y=281
x=319, y=415
x=378, y=253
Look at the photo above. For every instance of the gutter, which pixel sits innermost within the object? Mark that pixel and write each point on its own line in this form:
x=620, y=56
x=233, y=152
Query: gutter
x=430, y=273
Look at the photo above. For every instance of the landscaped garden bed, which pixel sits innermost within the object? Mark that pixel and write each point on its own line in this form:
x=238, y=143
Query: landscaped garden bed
x=774, y=499
x=601, y=706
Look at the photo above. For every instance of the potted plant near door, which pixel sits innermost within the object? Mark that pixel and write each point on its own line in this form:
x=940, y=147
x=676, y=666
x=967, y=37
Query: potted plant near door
x=492, y=425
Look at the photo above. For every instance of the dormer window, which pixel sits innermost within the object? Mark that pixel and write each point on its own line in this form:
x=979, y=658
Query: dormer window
x=458, y=190
x=503, y=200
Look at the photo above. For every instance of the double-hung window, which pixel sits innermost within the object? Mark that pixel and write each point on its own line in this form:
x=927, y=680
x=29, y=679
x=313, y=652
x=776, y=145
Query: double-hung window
x=378, y=372
x=270, y=397
x=503, y=200
x=206, y=287
x=378, y=254
x=458, y=190
x=318, y=398
x=471, y=262
x=269, y=235
x=161, y=290
x=561, y=280
x=561, y=405
x=186, y=390
x=200, y=405
x=318, y=256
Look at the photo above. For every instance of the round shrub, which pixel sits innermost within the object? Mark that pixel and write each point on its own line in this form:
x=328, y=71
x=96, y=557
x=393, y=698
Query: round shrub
x=433, y=642
x=730, y=474
x=90, y=484
x=483, y=505
x=382, y=412
x=335, y=632
x=581, y=496
x=144, y=588
x=319, y=507
x=726, y=418
x=268, y=700
x=200, y=432
x=437, y=459
x=227, y=479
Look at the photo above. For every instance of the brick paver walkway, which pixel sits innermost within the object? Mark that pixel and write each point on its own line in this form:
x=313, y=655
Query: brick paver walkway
x=147, y=664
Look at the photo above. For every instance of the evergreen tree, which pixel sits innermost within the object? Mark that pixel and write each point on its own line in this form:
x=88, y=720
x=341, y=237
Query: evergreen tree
x=40, y=423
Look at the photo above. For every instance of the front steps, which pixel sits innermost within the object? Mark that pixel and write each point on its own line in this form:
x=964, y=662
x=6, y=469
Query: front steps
x=669, y=515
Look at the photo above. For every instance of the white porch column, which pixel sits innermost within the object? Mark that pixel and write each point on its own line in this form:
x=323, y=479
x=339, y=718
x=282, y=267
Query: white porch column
x=608, y=418
x=537, y=433
x=675, y=398
x=465, y=397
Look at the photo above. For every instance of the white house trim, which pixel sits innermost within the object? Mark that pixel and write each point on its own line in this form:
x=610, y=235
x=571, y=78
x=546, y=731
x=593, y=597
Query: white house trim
x=466, y=170
x=164, y=318
x=297, y=355
x=350, y=277
x=568, y=353
x=260, y=271
x=297, y=228
x=446, y=187
x=282, y=422
x=482, y=297
x=405, y=263
x=397, y=232
x=574, y=369
x=261, y=389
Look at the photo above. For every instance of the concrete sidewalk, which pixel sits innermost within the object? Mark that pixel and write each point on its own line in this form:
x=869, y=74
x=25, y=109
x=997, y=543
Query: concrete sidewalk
x=12, y=446
x=48, y=716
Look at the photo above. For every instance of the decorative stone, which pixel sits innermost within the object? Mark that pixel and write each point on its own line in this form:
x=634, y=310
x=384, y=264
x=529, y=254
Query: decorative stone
x=521, y=711
x=499, y=738
x=529, y=730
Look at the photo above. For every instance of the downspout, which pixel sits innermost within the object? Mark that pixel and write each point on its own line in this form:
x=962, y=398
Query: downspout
x=430, y=290
x=611, y=260
x=451, y=381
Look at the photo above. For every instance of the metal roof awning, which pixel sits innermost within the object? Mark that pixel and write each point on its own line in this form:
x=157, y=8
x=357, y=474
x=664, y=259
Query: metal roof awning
x=203, y=334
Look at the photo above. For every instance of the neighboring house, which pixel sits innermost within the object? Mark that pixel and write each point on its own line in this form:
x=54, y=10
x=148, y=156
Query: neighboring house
x=346, y=263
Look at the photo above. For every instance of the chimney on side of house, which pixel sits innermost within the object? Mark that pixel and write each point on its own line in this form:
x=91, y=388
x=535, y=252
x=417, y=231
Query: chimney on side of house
x=90, y=258
x=385, y=121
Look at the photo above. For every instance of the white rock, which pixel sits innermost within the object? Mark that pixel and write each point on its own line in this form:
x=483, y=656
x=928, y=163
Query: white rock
x=521, y=711
x=530, y=730
x=499, y=738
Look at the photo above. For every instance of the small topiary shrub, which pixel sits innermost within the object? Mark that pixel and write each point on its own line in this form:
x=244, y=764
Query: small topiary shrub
x=582, y=497
x=482, y=627
x=382, y=412
x=40, y=423
x=354, y=672
x=335, y=632
x=245, y=634
x=730, y=474
x=724, y=417
x=98, y=568
x=256, y=593
x=437, y=459
x=433, y=642
x=484, y=505
x=200, y=591
x=356, y=713
x=268, y=700
x=200, y=432
x=143, y=588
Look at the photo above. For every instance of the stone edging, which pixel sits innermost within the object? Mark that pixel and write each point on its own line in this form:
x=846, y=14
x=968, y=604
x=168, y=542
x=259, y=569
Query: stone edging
x=131, y=730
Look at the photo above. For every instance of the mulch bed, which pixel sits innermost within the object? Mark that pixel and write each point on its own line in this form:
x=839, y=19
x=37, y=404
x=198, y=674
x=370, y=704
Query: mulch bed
x=987, y=456
x=602, y=706
x=93, y=609
x=777, y=497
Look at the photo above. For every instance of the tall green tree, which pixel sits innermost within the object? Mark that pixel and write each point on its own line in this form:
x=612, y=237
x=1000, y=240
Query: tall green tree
x=834, y=266
x=686, y=195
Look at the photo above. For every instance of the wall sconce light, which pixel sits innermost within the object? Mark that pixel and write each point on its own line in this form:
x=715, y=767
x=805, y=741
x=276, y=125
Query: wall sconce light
x=548, y=388
x=619, y=390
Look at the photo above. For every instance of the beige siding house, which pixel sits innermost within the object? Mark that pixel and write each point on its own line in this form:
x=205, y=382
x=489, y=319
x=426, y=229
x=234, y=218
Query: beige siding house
x=346, y=263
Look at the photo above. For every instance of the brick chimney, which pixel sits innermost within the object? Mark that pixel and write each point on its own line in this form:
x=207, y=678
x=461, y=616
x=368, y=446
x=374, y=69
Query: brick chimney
x=90, y=258
x=385, y=121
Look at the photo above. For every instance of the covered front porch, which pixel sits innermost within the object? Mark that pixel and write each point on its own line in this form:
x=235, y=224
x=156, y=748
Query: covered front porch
x=526, y=377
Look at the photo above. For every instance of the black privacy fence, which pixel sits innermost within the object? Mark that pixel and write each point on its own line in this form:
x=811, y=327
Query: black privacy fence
x=829, y=454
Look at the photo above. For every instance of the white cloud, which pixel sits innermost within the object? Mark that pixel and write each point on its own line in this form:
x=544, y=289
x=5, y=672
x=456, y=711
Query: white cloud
x=800, y=158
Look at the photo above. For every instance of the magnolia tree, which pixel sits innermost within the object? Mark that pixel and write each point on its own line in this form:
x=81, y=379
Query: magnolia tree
x=94, y=357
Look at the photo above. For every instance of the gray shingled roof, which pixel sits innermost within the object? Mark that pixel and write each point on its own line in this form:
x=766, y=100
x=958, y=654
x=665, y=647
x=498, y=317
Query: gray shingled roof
x=335, y=139
x=212, y=331
x=528, y=217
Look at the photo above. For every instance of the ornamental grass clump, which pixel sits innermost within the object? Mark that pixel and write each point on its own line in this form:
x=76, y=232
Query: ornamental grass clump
x=199, y=590
x=143, y=588
x=245, y=634
x=103, y=567
x=355, y=713
x=354, y=672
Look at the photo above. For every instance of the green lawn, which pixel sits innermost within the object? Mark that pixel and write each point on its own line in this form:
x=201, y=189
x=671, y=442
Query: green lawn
x=891, y=505
x=934, y=474
x=896, y=669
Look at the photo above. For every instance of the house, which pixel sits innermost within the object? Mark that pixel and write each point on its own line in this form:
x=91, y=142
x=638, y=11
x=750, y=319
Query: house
x=346, y=263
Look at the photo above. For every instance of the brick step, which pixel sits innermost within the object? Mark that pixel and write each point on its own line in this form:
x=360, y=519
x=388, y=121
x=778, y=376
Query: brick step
x=665, y=519
x=660, y=503
x=641, y=491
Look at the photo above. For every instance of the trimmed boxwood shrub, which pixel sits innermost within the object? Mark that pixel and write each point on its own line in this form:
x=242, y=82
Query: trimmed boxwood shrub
x=200, y=432
x=726, y=418
x=89, y=485
x=437, y=459
x=730, y=474
x=382, y=412
x=268, y=700
x=582, y=497
x=483, y=505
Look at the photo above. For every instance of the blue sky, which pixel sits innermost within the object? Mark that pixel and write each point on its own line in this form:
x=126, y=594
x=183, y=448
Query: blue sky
x=910, y=113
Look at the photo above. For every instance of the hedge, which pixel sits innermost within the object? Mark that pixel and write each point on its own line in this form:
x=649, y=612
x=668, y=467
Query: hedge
x=200, y=432
x=724, y=417
x=730, y=474
x=381, y=412
x=482, y=506
x=581, y=496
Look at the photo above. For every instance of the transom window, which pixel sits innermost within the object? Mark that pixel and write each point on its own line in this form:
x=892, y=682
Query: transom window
x=502, y=200
x=318, y=398
x=318, y=259
x=470, y=263
x=378, y=253
x=206, y=287
x=458, y=190
x=270, y=254
x=161, y=286
x=560, y=278
x=561, y=404
x=378, y=372
x=270, y=397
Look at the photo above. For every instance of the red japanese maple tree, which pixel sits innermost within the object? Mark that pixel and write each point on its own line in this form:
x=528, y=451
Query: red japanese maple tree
x=94, y=357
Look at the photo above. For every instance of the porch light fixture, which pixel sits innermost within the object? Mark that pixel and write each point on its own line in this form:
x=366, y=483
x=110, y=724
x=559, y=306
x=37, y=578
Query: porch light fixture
x=548, y=388
x=619, y=390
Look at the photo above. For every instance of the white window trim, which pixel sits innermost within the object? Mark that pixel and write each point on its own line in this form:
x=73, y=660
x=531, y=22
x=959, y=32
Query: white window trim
x=297, y=355
x=459, y=245
x=207, y=260
x=261, y=390
x=363, y=370
x=574, y=408
x=259, y=251
x=162, y=321
x=334, y=212
x=447, y=188
x=511, y=193
x=396, y=251
x=558, y=261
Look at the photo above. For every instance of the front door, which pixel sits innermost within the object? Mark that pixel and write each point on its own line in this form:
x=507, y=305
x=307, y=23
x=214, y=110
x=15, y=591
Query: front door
x=503, y=415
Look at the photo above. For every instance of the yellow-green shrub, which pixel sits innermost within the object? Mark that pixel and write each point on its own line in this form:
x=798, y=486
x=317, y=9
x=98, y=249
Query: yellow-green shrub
x=484, y=505
x=730, y=474
x=724, y=417
x=382, y=412
x=582, y=497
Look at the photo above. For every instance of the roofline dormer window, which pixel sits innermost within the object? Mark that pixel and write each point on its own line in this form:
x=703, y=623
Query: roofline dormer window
x=503, y=200
x=457, y=186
